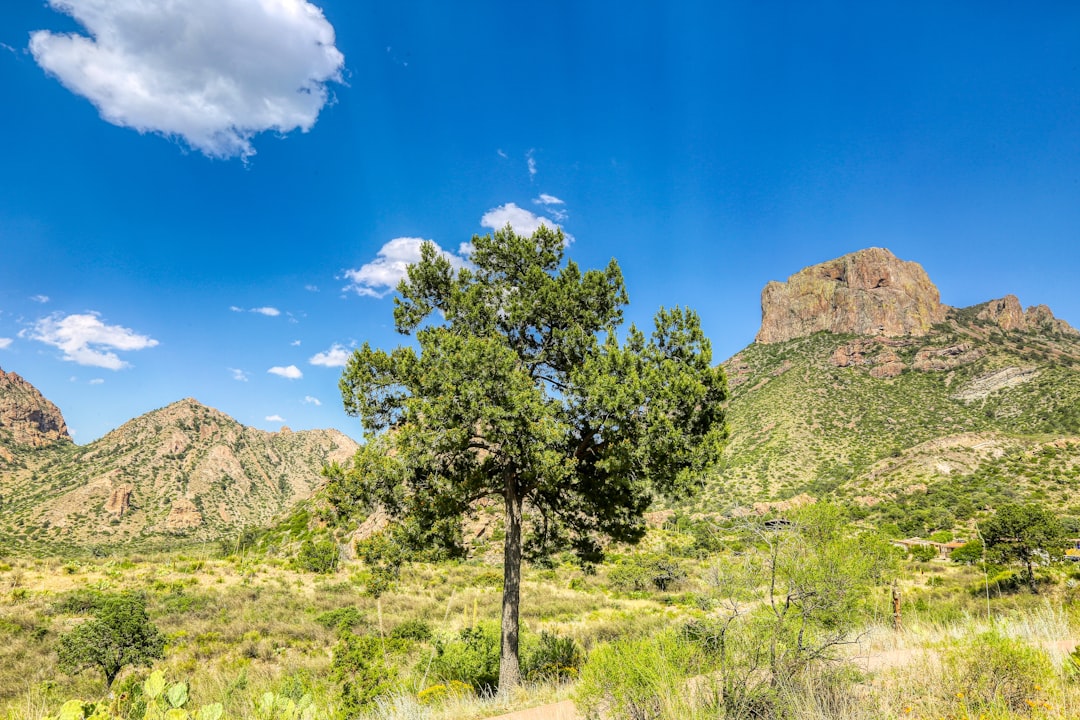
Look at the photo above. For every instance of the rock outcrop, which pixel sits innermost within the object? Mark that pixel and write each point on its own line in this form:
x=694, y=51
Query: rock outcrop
x=865, y=293
x=30, y=419
x=869, y=292
x=1007, y=313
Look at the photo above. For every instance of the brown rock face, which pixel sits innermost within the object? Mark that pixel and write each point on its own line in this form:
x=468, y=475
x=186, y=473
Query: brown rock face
x=869, y=292
x=31, y=419
x=119, y=501
x=1007, y=313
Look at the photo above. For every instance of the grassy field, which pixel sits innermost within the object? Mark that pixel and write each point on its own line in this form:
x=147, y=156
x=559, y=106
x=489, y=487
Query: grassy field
x=241, y=627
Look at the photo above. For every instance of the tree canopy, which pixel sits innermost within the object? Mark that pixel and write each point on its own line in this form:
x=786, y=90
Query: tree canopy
x=1024, y=532
x=119, y=634
x=519, y=387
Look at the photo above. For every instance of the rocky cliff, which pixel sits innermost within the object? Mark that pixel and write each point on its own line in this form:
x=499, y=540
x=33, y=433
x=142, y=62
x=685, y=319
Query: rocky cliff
x=26, y=417
x=1008, y=314
x=869, y=292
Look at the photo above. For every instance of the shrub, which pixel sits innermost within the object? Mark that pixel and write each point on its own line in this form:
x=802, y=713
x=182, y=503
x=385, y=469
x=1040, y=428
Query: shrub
x=554, y=658
x=412, y=630
x=639, y=679
x=342, y=618
x=320, y=557
x=991, y=669
x=472, y=657
x=360, y=668
x=644, y=572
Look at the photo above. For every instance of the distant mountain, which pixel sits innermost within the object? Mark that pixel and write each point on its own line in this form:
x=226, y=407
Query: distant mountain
x=184, y=472
x=863, y=387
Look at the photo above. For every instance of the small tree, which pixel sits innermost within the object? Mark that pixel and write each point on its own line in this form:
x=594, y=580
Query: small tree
x=120, y=634
x=523, y=392
x=1024, y=532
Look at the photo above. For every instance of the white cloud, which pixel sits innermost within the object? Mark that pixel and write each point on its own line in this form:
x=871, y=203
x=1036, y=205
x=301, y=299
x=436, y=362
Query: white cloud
x=238, y=375
x=295, y=343
x=97, y=381
x=267, y=311
x=521, y=220
x=291, y=372
x=336, y=356
x=275, y=418
x=379, y=277
x=40, y=299
x=212, y=72
x=311, y=288
x=88, y=341
x=531, y=162
x=502, y=153
x=309, y=400
x=546, y=199
x=4, y=343
x=236, y=309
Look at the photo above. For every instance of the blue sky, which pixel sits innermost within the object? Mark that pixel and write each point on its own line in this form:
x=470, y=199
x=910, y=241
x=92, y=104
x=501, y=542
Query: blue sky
x=193, y=201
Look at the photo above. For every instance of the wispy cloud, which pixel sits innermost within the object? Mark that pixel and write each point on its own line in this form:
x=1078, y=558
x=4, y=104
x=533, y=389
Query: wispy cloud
x=295, y=343
x=211, y=72
x=267, y=311
x=40, y=298
x=309, y=400
x=275, y=418
x=5, y=343
x=379, y=277
x=311, y=288
x=502, y=153
x=238, y=375
x=290, y=372
x=531, y=162
x=86, y=340
x=336, y=356
x=546, y=199
x=97, y=381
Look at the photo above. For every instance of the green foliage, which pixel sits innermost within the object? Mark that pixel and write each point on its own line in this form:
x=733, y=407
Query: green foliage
x=472, y=657
x=120, y=634
x=317, y=557
x=642, y=679
x=361, y=669
x=646, y=572
x=524, y=393
x=345, y=618
x=553, y=658
x=992, y=670
x=414, y=629
x=923, y=553
x=1025, y=533
x=969, y=553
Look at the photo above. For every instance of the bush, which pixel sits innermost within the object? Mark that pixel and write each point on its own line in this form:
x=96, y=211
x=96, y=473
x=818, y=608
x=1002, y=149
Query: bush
x=639, y=679
x=554, y=658
x=345, y=618
x=320, y=557
x=644, y=572
x=412, y=630
x=360, y=668
x=923, y=553
x=993, y=670
x=472, y=657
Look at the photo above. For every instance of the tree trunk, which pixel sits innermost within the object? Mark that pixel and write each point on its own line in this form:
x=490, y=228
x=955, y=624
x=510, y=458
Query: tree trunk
x=509, y=663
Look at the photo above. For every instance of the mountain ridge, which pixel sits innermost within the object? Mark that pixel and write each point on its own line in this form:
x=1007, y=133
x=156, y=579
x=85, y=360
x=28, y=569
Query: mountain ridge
x=182, y=472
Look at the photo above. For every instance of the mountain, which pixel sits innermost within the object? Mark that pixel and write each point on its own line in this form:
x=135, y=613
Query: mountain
x=185, y=471
x=863, y=387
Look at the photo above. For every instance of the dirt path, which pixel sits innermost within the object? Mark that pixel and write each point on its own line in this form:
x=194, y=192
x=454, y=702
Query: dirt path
x=564, y=710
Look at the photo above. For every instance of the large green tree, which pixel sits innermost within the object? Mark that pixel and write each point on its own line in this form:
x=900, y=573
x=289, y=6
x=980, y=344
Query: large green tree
x=519, y=388
x=119, y=634
x=1024, y=533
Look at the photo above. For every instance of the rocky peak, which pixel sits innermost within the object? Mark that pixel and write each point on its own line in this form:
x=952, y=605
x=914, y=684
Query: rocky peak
x=31, y=419
x=869, y=292
x=1007, y=313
